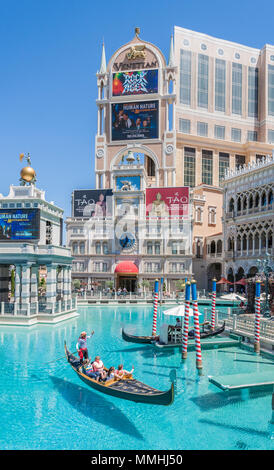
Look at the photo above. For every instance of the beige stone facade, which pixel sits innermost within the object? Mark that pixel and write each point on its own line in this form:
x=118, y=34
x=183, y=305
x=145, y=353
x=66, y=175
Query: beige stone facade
x=215, y=104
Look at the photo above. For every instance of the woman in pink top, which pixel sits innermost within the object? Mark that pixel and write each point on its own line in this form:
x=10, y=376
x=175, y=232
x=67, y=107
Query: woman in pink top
x=121, y=372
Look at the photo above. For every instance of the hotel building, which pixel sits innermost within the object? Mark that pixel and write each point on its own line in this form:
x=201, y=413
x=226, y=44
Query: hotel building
x=210, y=109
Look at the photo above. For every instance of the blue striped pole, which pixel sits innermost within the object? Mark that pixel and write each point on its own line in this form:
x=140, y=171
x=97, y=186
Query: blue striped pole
x=186, y=320
x=257, y=317
x=155, y=307
x=199, y=365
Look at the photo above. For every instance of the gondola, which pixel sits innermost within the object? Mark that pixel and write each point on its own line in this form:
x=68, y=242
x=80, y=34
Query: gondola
x=139, y=339
x=127, y=389
x=208, y=332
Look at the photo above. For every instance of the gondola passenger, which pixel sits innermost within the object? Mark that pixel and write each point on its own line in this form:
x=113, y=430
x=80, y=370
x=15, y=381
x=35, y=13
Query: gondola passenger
x=121, y=372
x=98, y=366
x=81, y=346
x=89, y=371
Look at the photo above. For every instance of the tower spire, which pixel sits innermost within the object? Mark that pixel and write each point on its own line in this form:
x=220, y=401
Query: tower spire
x=103, y=67
x=171, y=53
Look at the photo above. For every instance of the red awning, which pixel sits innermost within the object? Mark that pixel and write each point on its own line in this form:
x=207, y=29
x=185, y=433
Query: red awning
x=126, y=267
x=241, y=282
x=223, y=280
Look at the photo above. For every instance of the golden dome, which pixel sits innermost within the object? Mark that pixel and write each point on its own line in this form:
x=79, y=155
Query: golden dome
x=27, y=174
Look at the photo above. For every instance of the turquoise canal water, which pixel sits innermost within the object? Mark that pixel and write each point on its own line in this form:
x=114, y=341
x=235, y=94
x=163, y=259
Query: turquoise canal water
x=44, y=405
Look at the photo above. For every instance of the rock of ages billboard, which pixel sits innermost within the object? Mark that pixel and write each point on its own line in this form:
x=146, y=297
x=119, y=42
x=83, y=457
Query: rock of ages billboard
x=135, y=83
x=131, y=121
x=19, y=224
x=92, y=202
x=167, y=202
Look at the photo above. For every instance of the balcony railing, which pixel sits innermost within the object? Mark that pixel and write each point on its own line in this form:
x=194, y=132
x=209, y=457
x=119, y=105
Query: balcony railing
x=36, y=308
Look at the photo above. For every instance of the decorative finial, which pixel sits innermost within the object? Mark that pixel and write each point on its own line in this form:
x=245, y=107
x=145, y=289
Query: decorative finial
x=137, y=32
x=27, y=173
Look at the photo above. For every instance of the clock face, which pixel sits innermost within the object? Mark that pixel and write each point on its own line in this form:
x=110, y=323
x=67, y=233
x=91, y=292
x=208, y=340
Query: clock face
x=127, y=240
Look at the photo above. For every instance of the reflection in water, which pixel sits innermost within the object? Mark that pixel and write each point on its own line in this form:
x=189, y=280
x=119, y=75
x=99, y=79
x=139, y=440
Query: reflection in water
x=235, y=428
x=103, y=411
x=211, y=401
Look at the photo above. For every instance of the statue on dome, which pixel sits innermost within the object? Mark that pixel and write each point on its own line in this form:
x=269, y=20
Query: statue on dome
x=28, y=175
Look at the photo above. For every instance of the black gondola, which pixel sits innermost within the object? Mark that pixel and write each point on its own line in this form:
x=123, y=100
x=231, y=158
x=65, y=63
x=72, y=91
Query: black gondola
x=208, y=332
x=128, y=388
x=152, y=339
x=139, y=339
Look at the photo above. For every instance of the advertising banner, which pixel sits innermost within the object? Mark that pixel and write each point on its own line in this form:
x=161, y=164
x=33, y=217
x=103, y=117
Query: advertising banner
x=167, y=202
x=92, y=203
x=19, y=224
x=131, y=121
x=141, y=82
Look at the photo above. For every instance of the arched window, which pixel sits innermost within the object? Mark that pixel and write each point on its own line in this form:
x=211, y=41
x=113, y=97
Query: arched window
x=105, y=248
x=239, y=204
x=75, y=248
x=244, y=242
x=250, y=202
x=82, y=248
x=212, y=247
x=270, y=197
x=98, y=248
x=269, y=240
x=244, y=203
x=250, y=242
x=263, y=199
x=231, y=205
x=257, y=200
x=219, y=246
x=230, y=244
x=256, y=241
x=149, y=248
x=263, y=240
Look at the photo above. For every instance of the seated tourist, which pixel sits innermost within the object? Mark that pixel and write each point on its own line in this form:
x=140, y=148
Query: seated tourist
x=178, y=323
x=98, y=366
x=121, y=372
x=110, y=374
x=89, y=370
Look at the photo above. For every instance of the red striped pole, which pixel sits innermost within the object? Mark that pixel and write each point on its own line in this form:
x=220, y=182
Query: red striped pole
x=213, y=303
x=186, y=320
x=257, y=317
x=155, y=307
x=199, y=365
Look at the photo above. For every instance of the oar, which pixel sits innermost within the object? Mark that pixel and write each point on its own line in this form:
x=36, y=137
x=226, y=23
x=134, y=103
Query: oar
x=59, y=358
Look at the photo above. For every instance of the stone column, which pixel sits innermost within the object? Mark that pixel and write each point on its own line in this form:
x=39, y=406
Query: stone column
x=25, y=293
x=17, y=287
x=51, y=283
x=65, y=284
x=34, y=284
x=60, y=283
x=69, y=283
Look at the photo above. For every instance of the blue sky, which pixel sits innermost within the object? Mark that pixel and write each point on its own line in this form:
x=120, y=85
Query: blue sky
x=50, y=52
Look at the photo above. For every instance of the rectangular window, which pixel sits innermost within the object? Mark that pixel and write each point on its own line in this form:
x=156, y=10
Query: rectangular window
x=174, y=248
x=252, y=136
x=219, y=132
x=189, y=166
x=236, y=88
x=105, y=267
x=185, y=77
x=184, y=126
x=223, y=164
x=148, y=267
x=220, y=77
x=202, y=81
x=149, y=248
x=239, y=161
x=202, y=129
x=207, y=166
x=253, y=79
x=98, y=248
x=270, y=137
x=236, y=134
x=271, y=90
x=157, y=248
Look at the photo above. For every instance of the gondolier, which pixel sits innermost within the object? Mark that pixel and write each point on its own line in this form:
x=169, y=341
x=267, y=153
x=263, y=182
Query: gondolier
x=81, y=345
